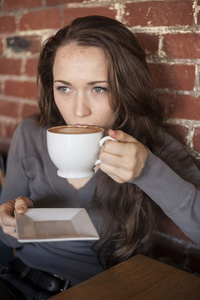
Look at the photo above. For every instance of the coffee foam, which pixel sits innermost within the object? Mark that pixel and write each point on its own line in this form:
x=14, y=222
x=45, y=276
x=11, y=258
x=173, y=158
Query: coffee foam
x=75, y=129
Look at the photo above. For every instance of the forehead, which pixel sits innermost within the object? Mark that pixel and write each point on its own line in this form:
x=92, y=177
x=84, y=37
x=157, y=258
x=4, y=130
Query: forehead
x=73, y=58
x=73, y=52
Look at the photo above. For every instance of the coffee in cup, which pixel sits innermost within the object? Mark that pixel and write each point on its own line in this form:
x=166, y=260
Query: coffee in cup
x=75, y=149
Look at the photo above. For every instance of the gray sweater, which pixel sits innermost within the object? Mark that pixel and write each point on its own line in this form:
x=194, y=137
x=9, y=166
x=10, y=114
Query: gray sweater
x=31, y=173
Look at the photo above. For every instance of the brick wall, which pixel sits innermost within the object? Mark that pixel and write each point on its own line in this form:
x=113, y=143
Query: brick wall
x=169, y=31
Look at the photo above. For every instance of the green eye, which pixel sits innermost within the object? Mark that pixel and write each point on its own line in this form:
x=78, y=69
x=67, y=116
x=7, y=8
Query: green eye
x=63, y=89
x=98, y=89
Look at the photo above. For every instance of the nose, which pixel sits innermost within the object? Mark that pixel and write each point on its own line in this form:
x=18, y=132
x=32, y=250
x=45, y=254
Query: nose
x=81, y=107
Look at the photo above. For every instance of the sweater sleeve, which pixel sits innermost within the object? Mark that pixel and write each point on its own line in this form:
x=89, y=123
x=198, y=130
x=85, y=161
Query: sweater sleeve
x=16, y=182
x=173, y=191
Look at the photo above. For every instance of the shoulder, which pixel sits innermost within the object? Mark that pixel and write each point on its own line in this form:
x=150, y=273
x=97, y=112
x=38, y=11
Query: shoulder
x=29, y=135
x=29, y=126
x=178, y=158
x=170, y=145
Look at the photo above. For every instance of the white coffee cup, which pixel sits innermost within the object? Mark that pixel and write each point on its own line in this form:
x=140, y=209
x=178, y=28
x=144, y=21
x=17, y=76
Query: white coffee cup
x=74, y=150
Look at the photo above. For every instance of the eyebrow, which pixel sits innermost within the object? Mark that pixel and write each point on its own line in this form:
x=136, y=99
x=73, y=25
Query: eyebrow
x=89, y=83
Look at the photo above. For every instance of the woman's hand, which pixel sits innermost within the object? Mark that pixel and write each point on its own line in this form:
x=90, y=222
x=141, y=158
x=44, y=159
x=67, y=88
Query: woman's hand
x=7, y=219
x=124, y=159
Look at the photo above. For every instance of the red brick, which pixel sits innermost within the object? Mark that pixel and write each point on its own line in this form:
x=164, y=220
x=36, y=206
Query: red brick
x=1, y=87
x=10, y=66
x=17, y=4
x=35, y=44
x=186, y=45
x=21, y=89
x=1, y=46
x=59, y=2
x=173, y=76
x=9, y=108
x=9, y=128
x=149, y=43
x=196, y=139
x=31, y=67
x=182, y=106
x=41, y=19
x=71, y=13
x=159, y=13
x=29, y=110
x=7, y=24
x=179, y=132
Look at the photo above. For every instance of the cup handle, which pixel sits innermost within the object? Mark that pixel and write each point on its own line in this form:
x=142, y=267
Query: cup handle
x=101, y=142
x=105, y=138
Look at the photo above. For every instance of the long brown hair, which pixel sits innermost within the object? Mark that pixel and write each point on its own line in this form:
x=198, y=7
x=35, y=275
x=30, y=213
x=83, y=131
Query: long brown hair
x=127, y=211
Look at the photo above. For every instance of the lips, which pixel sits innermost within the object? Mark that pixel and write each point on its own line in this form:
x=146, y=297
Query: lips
x=80, y=124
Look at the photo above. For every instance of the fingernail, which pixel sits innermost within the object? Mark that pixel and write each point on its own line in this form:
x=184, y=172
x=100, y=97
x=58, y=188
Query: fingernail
x=20, y=209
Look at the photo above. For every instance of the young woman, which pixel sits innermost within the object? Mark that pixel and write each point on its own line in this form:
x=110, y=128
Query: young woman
x=94, y=72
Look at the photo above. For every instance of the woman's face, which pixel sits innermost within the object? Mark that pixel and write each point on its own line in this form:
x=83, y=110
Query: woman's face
x=81, y=90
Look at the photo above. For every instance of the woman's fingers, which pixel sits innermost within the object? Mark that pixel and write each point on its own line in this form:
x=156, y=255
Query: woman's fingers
x=7, y=219
x=122, y=160
x=22, y=204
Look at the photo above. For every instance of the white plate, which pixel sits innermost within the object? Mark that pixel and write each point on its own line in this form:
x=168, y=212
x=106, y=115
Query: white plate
x=55, y=224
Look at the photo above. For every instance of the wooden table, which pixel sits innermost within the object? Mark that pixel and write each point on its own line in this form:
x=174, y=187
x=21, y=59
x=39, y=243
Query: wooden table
x=139, y=277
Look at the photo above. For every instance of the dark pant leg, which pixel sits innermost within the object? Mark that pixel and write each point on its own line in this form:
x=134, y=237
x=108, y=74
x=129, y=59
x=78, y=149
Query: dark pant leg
x=29, y=292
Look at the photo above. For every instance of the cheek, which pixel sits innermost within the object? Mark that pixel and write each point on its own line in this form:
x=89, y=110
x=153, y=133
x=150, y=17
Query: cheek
x=58, y=100
x=109, y=117
x=110, y=111
x=61, y=107
x=55, y=97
